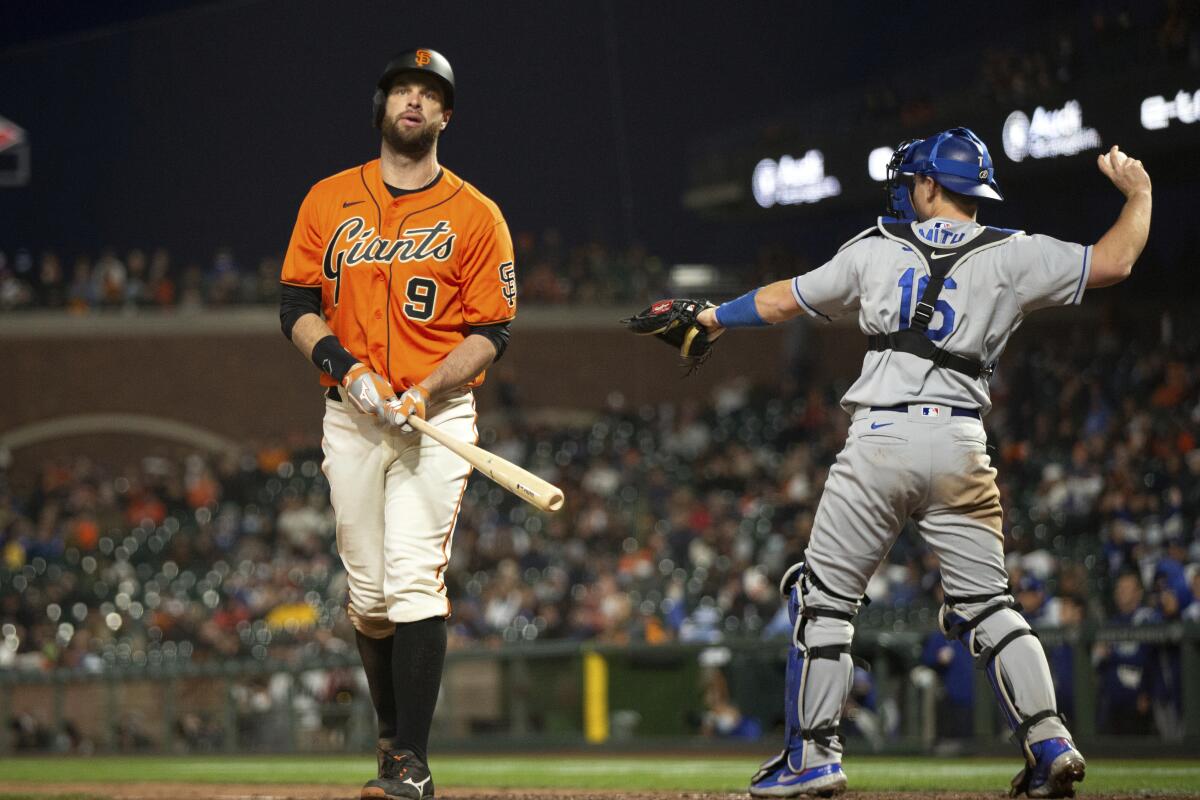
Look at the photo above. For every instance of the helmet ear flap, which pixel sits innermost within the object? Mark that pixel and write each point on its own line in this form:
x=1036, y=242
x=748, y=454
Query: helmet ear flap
x=377, y=105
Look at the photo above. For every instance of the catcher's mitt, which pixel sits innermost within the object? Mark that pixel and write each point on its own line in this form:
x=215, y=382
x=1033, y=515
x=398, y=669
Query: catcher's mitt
x=674, y=322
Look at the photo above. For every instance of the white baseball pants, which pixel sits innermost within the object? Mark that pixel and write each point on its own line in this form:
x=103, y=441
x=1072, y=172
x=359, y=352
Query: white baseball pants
x=395, y=498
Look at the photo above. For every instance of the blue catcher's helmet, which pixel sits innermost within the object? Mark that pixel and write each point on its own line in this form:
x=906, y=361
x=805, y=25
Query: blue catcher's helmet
x=957, y=159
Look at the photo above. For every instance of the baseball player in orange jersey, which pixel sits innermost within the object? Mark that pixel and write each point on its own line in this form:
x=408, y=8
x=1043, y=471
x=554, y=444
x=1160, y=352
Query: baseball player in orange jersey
x=398, y=283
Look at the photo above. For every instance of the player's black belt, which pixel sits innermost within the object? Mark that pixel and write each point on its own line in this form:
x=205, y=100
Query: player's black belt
x=332, y=394
x=954, y=412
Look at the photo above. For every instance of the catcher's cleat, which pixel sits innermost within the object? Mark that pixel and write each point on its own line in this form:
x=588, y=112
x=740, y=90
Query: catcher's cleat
x=1057, y=768
x=777, y=779
x=402, y=776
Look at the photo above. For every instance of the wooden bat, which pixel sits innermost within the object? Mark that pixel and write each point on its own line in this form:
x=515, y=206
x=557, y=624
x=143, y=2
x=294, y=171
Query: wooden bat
x=521, y=482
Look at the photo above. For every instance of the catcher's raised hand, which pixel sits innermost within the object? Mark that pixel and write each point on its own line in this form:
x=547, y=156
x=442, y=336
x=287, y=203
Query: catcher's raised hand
x=412, y=403
x=1126, y=173
x=368, y=391
x=676, y=323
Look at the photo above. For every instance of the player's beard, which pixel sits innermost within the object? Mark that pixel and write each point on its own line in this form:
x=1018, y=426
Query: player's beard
x=414, y=143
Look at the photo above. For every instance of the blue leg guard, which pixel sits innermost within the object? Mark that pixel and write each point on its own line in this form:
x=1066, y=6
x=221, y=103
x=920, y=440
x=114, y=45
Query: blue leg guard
x=793, y=683
x=817, y=682
x=1002, y=644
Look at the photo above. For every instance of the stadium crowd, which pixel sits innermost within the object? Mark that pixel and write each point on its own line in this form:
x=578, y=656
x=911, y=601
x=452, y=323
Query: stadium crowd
x=553, y=272
x=681, y=520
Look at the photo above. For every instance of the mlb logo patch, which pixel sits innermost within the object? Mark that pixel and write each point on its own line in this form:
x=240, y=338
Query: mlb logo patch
x=930, y=411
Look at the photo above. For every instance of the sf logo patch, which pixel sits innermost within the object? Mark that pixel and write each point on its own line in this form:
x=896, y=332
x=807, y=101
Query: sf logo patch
x=508, y=283
x=423, y=58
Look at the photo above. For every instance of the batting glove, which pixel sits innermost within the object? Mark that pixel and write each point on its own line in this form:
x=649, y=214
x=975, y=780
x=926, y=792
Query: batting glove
x=368, y=391
x=411, y=403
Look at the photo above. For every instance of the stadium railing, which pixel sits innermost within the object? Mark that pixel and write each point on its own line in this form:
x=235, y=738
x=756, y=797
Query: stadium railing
x=546, y=694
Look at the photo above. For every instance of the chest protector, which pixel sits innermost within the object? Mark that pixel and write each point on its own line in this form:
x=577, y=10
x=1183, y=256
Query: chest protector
x=938, y=261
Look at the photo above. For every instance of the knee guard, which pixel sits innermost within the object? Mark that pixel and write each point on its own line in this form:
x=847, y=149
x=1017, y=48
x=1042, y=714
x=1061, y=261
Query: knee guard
x=371, y=627
x=820, y=669
x=1006, y=648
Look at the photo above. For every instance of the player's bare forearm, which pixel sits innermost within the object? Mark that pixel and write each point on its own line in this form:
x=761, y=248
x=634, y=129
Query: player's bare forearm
x=775, y=302
x=472, y=356
x=1114, y=255
x=309, y=330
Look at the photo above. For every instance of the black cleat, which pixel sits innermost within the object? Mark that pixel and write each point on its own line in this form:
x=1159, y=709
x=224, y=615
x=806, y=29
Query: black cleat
x=402, y=776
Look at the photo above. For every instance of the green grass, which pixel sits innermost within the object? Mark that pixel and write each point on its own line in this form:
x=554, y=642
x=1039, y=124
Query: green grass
x=684, y=773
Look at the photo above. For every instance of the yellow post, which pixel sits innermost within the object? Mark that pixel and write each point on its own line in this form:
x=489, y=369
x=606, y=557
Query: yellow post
x=595, y=698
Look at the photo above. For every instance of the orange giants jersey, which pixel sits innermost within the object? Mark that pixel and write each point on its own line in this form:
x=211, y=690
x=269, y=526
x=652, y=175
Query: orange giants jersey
x=402, y=279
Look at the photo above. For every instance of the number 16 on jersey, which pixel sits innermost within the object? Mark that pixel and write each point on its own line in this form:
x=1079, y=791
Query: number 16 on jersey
x=908, y=300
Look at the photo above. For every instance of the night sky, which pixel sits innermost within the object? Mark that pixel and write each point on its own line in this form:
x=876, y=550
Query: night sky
x=205, y=126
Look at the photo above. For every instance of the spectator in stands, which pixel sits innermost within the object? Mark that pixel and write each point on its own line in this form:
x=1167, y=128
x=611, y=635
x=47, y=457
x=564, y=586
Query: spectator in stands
x=1031, y=594
x=160, y=286
x=956, y=670
x=51, y=285
x=1166, y=675
x=10, y=289
x=81, y=293
x=1192, y=612
x=862, y=712
x=1072, y=613
x=191, y=287
x=1125, y=668
x=24, y=276
x=27, y=732
x=722, y=718
x=136, y=288
x=108, y=280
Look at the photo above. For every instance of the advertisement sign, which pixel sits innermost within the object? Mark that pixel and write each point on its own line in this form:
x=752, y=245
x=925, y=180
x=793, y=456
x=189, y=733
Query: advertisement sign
x=1050, y=133
x=1158, y=111
x=1148, y=117
x=789, y=181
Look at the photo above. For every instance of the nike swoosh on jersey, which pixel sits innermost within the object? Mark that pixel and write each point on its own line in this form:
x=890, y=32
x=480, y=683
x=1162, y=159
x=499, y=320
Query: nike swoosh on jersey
x=352, y=203
x=941, y=255
x=878, y=425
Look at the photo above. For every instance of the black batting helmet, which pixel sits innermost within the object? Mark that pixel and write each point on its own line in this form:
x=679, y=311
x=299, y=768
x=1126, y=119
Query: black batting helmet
x=431, y=62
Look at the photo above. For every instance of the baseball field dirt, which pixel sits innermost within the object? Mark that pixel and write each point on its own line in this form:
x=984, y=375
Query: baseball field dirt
x=547, y=776
x=285, y=791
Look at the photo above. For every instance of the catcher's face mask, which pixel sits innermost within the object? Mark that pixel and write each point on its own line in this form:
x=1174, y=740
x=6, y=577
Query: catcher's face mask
x=899, y=186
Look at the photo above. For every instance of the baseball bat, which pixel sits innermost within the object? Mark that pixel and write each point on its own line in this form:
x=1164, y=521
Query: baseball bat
x=521, y=482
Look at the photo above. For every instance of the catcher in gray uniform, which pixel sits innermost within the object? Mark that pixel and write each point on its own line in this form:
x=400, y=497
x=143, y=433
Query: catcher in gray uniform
x=938, y=295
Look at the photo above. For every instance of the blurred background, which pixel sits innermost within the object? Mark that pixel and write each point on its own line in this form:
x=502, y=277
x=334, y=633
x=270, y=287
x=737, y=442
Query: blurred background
x=168, y=576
